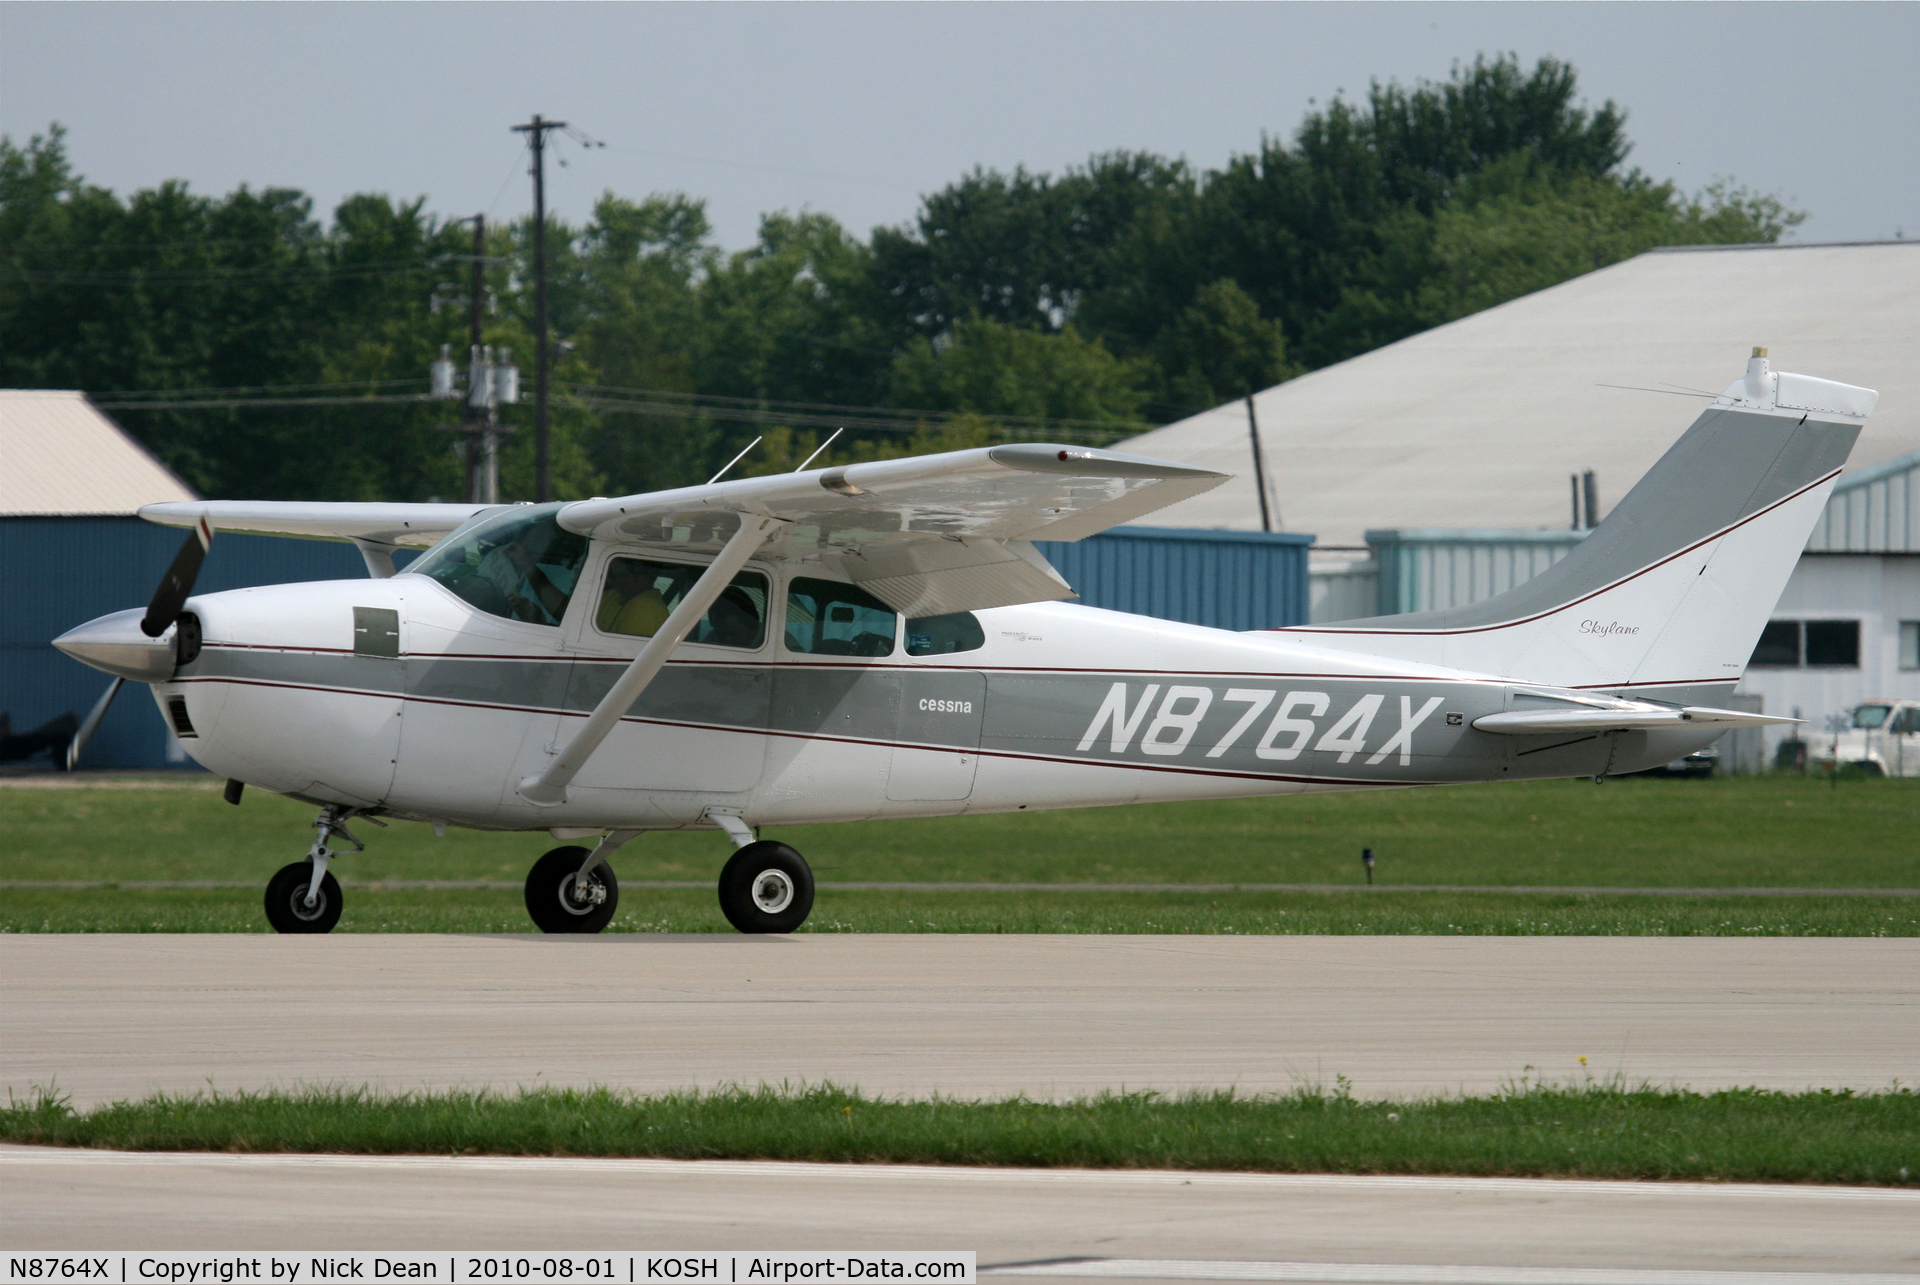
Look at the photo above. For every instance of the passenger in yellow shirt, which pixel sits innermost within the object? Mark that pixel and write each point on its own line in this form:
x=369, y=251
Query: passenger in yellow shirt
x=631, y=605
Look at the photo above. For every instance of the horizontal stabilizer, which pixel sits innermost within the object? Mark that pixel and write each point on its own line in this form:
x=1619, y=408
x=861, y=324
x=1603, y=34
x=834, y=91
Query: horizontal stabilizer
x=1529, y=722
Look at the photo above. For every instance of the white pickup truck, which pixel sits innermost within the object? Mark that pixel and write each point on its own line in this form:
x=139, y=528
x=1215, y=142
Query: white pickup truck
x=1884, y=739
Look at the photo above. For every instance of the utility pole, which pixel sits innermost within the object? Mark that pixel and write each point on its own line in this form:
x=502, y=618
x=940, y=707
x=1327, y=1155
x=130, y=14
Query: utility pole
x=491, y=384
x=1259, y=467
x=536, y=132
x=476, y=307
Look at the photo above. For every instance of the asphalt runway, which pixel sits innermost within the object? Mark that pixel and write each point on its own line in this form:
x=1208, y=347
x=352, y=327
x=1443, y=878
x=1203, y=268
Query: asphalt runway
x=1129, y=1225
x=121, y=1016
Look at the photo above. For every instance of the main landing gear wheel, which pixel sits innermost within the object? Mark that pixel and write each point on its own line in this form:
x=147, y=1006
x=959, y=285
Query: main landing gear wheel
x=560, y=902
x=766, y=887
x=287, y=906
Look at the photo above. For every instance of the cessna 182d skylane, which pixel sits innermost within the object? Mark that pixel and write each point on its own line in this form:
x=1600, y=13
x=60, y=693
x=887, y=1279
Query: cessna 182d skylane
x=882, y=640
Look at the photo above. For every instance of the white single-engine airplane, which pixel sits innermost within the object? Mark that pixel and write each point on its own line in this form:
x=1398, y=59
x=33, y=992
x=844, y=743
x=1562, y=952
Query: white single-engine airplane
x=882, y=640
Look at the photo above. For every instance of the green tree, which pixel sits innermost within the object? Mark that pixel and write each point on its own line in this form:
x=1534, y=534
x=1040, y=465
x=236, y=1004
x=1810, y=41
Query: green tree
x=993, y=369
x=1218, y=348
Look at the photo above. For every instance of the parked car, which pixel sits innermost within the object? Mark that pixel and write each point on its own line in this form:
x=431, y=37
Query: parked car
x=1883, y=739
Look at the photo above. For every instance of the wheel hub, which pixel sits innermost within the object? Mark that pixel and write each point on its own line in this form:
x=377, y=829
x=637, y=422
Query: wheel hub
x=304, y=909
x=579, y=896
x=772, y=891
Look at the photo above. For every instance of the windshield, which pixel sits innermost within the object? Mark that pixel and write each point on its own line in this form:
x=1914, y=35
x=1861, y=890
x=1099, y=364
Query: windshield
x=519, y=564
x=1871, y=715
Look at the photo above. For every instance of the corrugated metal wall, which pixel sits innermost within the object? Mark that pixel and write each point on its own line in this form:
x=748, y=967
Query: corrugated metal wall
x=1226, y=579
x=1342, y=589
x=56, y=573
x=1432, y=570
x=1877, y=510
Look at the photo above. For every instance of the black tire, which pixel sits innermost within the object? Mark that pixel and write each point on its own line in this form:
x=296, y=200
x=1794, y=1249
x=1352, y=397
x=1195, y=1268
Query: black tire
x=766, y=887
x=287, y=908
x=552, y=901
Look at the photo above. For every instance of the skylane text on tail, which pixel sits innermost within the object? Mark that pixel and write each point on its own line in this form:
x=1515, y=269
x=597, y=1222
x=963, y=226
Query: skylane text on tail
x=882, y=639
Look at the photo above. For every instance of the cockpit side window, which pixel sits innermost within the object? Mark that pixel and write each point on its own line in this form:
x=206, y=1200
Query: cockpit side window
x=640, y=594
x=519, y=564
x=827, y=618
x=945, y=635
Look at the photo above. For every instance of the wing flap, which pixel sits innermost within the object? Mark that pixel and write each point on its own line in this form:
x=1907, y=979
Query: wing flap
x=935, y=577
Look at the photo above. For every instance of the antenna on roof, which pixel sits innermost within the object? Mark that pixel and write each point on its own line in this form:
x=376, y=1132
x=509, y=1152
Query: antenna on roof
x=735, y=460
x=823, y=446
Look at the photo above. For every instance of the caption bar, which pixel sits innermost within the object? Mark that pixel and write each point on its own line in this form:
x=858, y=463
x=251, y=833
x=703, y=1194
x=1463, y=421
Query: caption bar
x=728, y=1267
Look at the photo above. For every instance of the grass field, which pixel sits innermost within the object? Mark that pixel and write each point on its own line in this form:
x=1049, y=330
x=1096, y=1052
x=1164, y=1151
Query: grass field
x=1766, y=832
x=1587, y=1131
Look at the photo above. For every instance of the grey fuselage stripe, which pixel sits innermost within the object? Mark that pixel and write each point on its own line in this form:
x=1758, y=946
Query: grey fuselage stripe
x=1340, y=730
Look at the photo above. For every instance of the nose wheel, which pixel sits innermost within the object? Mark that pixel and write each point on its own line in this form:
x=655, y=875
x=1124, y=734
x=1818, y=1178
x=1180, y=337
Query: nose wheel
x=304, y=897
x=290, y=910
x=766, y=887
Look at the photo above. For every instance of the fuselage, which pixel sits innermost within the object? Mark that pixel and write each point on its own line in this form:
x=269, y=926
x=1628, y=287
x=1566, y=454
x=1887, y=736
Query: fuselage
x=397, y=694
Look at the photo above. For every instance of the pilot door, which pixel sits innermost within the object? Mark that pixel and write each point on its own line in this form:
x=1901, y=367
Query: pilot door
x=701, y=725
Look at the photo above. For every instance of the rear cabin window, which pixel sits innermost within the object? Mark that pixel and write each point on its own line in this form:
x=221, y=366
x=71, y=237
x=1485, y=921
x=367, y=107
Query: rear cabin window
x=826, y=618
x=944, y=635
x=519, y=564
x=640, y=594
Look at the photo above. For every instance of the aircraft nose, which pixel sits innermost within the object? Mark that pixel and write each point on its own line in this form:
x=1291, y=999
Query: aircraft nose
x=114, y=644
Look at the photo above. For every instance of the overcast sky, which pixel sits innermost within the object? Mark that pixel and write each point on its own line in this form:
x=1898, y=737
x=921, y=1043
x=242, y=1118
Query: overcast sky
x=857, y=109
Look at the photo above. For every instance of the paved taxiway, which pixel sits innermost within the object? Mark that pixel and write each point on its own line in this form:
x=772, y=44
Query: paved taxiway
x=1191, y=1225
x=114, y=1016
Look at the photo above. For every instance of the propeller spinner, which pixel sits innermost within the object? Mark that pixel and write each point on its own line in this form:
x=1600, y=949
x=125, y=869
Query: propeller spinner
x=126, y=647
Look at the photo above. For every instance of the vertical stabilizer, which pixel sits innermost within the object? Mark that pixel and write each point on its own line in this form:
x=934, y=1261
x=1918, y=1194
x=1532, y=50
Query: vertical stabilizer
x=1667, y=596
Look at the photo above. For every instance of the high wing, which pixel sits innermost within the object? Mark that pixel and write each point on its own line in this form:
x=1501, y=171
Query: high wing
x=926, y=535
x=400, y=526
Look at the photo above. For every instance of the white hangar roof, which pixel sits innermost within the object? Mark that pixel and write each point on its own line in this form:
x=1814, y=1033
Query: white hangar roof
x=1479, y=422
x=59, y=456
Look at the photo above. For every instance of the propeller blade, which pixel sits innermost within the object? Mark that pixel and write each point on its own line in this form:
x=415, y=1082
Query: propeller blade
x=177, y=584
x=87, y=729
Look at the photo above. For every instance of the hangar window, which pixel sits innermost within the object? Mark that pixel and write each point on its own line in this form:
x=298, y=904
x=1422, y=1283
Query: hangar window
x=519, y=564
x=1910, y=644
x=1834, y=643
x=1810, y=644
x=1779, y=644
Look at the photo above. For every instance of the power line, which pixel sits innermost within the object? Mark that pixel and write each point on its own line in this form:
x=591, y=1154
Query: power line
x=661, y=403
x=830, y=409
x=250, y=388
x=182, y=276
x=238, y=403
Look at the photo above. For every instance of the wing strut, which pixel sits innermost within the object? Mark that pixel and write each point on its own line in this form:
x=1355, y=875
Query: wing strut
x=549, y=787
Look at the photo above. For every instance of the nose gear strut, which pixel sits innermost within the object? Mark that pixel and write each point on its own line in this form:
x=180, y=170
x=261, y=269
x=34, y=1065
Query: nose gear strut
x=303, y=897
